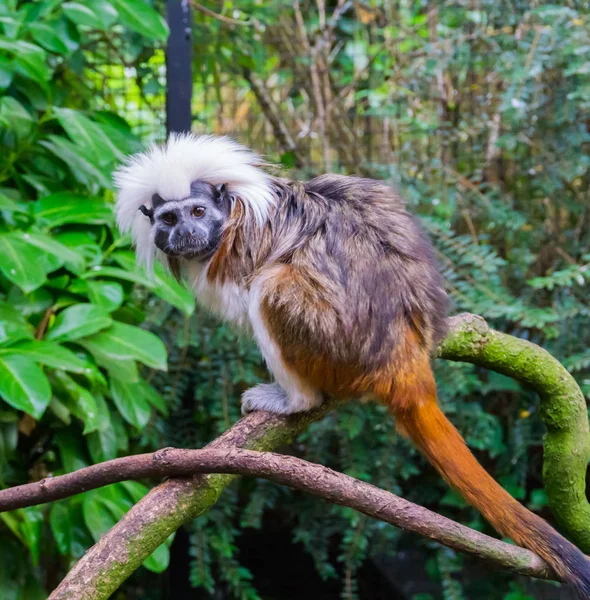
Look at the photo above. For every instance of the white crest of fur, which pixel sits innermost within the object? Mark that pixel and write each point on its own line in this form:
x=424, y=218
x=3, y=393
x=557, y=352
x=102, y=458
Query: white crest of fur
x=169, y=170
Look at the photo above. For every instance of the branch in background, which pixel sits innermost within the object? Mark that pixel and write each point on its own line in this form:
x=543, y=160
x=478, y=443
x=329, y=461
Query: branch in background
x=296, y=473
x=149, y=523
x=210, y=13
x=281, y=133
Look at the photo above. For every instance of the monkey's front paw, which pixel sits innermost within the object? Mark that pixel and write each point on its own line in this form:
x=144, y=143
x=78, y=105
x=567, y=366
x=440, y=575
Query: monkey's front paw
x=265, y=396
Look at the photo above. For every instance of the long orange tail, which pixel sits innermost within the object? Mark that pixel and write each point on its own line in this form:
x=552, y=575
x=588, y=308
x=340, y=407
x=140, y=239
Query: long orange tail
x=443, y=446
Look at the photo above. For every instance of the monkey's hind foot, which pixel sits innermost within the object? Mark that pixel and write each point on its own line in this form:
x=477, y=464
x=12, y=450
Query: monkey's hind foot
x=266, y=396
x=273, y=398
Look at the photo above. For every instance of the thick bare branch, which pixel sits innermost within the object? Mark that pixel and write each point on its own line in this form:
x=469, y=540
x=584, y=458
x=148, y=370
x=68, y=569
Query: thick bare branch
x=148, y=524
x=286, y=470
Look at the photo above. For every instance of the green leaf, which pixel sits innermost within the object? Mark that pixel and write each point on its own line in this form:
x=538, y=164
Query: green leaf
x=130, y=402
x=100, y=271
x=32, y=529
x=79, y=401
x=109, y=295
x=24, y=385
x=15, y=117
x=49, y=245
x=20, y=263
x=30, y=59
x=75, y=158
x=13, y=326
x=61, y=527
x=97, y=515
x=47, y=353
x=123, y=341
x=153, y=397
x=78, y=321
x=47, y=37
x=162, y=284
x=158, y=560
x=71, y=450
x=123, y=369
x=105, y=11
x=11, y=206
x=82, y=15
x=142, y=18
x=63, y=207
x=84, y=132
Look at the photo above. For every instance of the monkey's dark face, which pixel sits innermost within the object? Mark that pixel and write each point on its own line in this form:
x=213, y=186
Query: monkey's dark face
x=190, y=227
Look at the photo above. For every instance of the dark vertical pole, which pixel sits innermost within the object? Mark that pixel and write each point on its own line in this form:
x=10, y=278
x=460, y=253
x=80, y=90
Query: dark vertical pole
x=179, y=77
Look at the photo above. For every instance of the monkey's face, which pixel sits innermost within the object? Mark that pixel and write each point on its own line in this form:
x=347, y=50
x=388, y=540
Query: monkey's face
x=190, y=227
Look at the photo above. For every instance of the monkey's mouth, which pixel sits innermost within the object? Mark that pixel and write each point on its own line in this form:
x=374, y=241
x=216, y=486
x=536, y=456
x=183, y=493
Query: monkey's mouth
x=189, y=249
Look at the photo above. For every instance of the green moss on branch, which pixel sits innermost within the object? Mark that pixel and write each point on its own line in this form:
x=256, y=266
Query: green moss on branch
x=567, y=450
x=563, y=410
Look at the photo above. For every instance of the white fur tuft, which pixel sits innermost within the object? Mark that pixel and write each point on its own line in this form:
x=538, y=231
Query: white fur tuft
x=170, y=169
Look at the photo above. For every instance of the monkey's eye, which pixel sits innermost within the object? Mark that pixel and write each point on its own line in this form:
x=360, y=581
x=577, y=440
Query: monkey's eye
x=169, y=218
x=198, y=211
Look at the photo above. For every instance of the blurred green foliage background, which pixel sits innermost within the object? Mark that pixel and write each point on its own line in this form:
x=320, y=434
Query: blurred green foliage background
x=476, y=110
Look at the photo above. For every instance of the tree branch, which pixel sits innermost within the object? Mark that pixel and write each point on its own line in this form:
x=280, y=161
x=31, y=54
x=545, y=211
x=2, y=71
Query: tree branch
x=286, y=470
x=161, y=512
x=566, y=447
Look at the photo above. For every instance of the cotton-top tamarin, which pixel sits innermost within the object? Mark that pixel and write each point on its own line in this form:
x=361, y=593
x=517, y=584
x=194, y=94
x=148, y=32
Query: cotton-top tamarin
x=339, y=287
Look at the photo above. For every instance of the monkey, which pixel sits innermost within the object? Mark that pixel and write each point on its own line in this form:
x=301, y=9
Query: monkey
x=340, y=288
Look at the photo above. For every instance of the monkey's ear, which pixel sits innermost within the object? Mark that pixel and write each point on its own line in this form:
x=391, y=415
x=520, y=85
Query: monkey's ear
x=157, y=201
x=221, y=189
x=148, y=212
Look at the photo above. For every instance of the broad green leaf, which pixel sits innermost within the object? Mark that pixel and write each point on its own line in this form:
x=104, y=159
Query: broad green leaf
x=153, y=397
x=135, y=277
x=20, y=263
x=130, y=402
x=32, y=529
x=79, y=401
x=109, y=295
x=15, y=117
x=121, y=341
x=123, y=369
x=30, y=59
x=83, y=168
x=84, y=244
x=34, y=303
x=49, y=245
x=89, y=134
x=61, y=527
x=71, y=450
x=24, y=385
x=162, y=284
x=13, y=326
x=63, y=207
x=47, y=353
x=97, y=515
x=47, y=37
x=158, y=560
x=142, y=18
x=6, y=72
x=105, y=11
x=102, y=445
x=82, y=15
x=60, y=410
x=119, y=132
x=78, y=321
x=10, y=205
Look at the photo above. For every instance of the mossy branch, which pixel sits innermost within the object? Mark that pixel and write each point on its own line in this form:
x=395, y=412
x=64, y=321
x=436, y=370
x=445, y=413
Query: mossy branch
x=567, y=449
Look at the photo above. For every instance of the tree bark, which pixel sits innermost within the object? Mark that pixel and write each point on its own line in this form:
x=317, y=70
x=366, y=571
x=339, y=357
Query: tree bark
x=567, y=450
